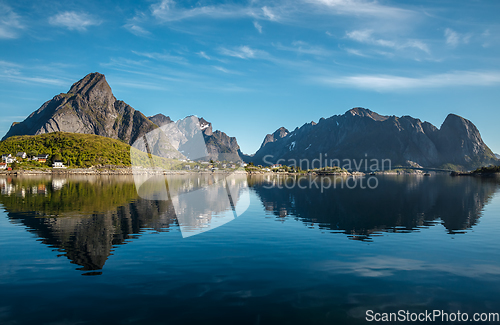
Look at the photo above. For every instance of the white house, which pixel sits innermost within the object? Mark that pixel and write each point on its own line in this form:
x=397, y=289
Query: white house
x=58, y=164
x=22, y=155
x=3, y=166
x=8, y=159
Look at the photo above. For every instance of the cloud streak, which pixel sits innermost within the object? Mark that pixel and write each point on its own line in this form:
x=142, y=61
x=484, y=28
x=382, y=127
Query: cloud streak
x=257, y=26
x=10, y=24
x=162, y=57
x=387, y=83
x=73, y=20
x=362, y=8
x=366, y=37
x=244, y=52
x=168, y=11
x=301, y=47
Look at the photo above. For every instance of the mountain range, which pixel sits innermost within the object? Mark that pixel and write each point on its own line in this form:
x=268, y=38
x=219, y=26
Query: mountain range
x=90, y=107
x=363, y=134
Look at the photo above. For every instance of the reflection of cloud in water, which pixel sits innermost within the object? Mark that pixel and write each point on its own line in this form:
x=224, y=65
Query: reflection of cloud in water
x=385, y=266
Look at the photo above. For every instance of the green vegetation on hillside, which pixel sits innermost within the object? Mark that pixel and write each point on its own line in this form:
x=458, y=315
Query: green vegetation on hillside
x=75, y=150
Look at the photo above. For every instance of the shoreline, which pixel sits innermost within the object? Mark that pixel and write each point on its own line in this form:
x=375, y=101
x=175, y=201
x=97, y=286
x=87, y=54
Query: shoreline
x=140, y=171
x=108, y=171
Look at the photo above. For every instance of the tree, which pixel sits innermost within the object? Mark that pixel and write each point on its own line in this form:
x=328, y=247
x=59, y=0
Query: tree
x=56, y=157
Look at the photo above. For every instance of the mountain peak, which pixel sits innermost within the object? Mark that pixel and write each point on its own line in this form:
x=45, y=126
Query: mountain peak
x=160, y=119
x=88, y=107
x=278, y=134
x=364, y=112
x=92, y=86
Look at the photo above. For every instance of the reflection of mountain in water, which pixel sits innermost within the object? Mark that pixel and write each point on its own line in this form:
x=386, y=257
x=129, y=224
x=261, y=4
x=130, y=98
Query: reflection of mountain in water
x=83, y=217
x=202, y=201
x=86, y=217
x=398, y=204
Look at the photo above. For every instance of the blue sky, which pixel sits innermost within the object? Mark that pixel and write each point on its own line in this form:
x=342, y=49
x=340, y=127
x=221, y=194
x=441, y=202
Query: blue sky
x=251, y=67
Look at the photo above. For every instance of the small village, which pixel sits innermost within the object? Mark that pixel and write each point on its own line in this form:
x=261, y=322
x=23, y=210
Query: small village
x=9, y=161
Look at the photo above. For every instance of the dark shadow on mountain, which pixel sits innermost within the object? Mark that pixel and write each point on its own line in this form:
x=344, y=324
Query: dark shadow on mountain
x=397, y=204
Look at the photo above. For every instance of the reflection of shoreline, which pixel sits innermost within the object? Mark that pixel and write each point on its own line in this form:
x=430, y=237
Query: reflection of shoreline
x=145, y=171
x=111, y=171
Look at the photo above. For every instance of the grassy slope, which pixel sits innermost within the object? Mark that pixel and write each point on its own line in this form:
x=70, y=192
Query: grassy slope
x=75, y=149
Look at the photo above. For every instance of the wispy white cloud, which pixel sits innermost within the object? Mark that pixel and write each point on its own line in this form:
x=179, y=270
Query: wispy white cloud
x=14, y=72
x=133, y=25
x=257, y=26
x=162, y=57
x=203, y=55
x=304, y=48
x=268, y=13
x=453, y=38
x=37, y=80
x=167, y=10
x=73, y=20
x=10, y=24
x=381, y=82
x=366, y=36
x=222, y=69
x=137, y=30
x=355, y=52
x=384, y=266
x=244, y=52
x=362, y=8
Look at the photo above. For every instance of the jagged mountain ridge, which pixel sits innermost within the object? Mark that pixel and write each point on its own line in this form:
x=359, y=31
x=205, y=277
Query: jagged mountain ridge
x=219, y=145
x=361, y=133
x=90, y=107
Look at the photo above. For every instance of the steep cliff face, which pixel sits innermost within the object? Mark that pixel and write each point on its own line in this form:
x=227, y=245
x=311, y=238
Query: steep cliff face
x=88, y=107
x=219, y=145
x=363, y=134
x=460, y=142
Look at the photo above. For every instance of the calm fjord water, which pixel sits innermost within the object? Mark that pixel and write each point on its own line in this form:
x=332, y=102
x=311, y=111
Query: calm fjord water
x=90, y=251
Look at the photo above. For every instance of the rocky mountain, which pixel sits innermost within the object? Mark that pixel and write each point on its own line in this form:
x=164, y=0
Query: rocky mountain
x=219, y=146
x=363, y=134
x=160, y=119
x=90, y=107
